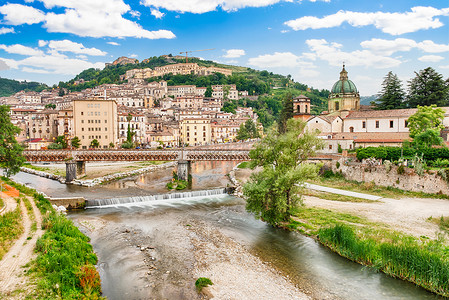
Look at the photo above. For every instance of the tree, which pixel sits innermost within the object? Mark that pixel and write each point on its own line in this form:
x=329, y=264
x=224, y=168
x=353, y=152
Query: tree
x=247, y=130
x=11, y=158
x=50, y=105
x=226, y=89
x=287, y=111
x=130, y=133
x=425, y=126
x=94, y=143
x=274, y=192
x=208, y=92
x=392, y=94
x=76, y=142
x=61, y=141
x=427, y=88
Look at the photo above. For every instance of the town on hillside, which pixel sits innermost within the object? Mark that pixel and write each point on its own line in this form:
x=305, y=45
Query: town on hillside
x=157, y=115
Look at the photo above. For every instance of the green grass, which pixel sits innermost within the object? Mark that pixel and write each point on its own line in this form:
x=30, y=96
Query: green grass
x=335, y=197
x=370, y=188
x=10, y=229
x=423, y=262
x=244, y=165
x=202, y=282
x=442, y=222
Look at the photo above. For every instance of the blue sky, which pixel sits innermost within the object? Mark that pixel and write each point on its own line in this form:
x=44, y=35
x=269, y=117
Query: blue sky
x=53, y=40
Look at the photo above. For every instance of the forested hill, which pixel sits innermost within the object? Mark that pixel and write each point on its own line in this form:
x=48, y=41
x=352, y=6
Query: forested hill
x=9, y=87
x=272, y=86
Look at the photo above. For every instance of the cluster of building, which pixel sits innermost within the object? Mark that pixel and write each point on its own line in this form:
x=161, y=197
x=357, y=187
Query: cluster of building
x=157, y=114
x=175, y=69
x=348, y=125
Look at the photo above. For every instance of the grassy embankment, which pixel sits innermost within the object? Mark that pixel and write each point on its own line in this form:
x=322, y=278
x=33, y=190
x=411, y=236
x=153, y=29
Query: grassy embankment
x=422, y=261
x=10, y=229
x=65, y=265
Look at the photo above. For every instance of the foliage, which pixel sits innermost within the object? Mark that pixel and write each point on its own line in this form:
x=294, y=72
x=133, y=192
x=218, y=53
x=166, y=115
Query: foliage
x=202, y=282
x=243, y=165
x=419, y=164
x=247, y=130
x=50, y=105
x=60, y=140
x=11, y=158
x=10, y=229
x=398, y=255
x=76, y=142
x=127, y=145
x=65, y=260
x=229, y=107
x=427, y=88
x=272, y=193
x=111, y=145
x=54, y=146
x=208, y=92
x=286, y=113
x=9, y=87
x=94, y=143
x=426, y=118
x=392, y=94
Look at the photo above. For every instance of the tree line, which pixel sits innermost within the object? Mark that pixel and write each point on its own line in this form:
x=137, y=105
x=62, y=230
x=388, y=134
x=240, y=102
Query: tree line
x=427, y=88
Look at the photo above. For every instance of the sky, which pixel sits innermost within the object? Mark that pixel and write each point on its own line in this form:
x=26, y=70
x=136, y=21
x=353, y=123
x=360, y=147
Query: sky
x=53, y=40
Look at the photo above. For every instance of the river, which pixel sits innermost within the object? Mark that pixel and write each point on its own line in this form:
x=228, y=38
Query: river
x=150, y=250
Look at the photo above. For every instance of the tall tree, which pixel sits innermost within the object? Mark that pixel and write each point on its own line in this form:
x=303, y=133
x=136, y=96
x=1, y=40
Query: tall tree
x=427, y=88
x=208, y=92
x=287, y=111
x=275, y=191
x=425, y=126
x=247, y=130
x=392, y=94
x=10, y=151
x=76, y=142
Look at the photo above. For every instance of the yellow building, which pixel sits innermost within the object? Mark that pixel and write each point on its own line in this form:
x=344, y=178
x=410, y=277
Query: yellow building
x=196, y=131
x=95, y=119
x=344, y=95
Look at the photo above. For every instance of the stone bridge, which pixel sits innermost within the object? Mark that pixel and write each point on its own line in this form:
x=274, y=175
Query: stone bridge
x=76, y=159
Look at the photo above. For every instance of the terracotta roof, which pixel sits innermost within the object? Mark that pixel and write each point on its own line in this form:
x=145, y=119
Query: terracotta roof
x=370, y=136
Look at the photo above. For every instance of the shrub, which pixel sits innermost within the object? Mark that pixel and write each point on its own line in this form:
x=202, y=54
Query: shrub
x=127, y=145
x=202, y=282
x=387, y=165
x=401, y=170
x=337, y=165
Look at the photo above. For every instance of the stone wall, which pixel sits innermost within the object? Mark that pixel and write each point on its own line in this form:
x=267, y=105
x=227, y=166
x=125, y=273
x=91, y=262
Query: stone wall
x=430, y=183
x=69, y=203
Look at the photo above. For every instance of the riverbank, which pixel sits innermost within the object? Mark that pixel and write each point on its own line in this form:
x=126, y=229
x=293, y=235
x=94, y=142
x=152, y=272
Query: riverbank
x=97, y=173
x=170, y=250
x=359, y=230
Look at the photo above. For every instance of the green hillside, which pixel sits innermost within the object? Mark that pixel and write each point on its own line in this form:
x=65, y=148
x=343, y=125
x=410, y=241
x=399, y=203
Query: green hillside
x=9, y=87
x=266, y=86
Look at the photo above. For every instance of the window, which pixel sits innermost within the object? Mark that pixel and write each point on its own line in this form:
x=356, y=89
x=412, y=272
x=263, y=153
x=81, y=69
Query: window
x=406, y=123
x=105, y=129
x=337, y=105
x=363, y=124
x=82, y=113
x=82, y=121
x=351, y=129
x=391, y=123
x=377, y=124
x=82, y=128
x=330, y=147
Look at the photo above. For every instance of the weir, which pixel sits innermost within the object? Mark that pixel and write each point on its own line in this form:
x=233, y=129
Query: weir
x=158, y=197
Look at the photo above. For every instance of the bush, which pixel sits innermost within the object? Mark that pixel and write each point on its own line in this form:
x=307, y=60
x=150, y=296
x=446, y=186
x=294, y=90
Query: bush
x=202, y=282
x=54, y=146
x=401, y=170
x=337, y=165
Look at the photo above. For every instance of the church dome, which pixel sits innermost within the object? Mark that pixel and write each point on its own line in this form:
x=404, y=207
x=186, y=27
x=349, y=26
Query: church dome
x=344, y=85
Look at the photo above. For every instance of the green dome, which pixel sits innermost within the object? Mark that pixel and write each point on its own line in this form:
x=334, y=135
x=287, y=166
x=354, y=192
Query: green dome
x=344, y=86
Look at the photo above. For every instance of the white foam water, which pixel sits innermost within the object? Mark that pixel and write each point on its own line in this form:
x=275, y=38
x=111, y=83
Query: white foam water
x=170, y=199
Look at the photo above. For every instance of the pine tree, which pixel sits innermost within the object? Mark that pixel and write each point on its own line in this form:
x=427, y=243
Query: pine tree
x=427, y=88
x=10, y=151
x=286, y=113
x=392, y=94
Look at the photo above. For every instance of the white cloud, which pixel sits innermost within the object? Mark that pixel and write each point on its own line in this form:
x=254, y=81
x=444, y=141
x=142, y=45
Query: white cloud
x=276, y=60
x=113, y=43
x=388, y=47
x=133, y=55
x=234, y=53
x=3, y=65
x=16, y=14
x=22, y=50
x=42, y=43
x=431, y=58
x=33, y=70
x=430, y=47
x=69, y=46
x=5, y=30
x=331, y=53
x=156, y=13
x=99, y=18
x=444, y=67
x=134, y=13
x=419, y=18
x=203, y=6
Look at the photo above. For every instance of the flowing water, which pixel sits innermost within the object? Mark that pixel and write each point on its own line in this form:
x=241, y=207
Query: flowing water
x=118, y=224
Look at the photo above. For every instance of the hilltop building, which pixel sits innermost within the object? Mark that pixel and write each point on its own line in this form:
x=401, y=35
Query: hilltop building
x=344, y=95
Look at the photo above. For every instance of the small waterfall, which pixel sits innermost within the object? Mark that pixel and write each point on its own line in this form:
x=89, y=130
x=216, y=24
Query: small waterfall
x=156, y=199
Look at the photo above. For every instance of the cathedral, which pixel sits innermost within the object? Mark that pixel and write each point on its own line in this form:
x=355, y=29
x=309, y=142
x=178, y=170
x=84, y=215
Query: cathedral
x=344, y=95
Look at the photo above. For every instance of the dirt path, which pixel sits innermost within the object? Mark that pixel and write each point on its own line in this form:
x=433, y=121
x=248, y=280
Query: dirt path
x=12, y=265
x=409, y=215
x=10, y=203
